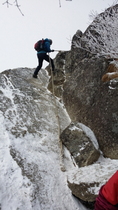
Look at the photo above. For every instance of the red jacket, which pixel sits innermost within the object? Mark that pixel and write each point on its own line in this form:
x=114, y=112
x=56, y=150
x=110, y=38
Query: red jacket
x=110, y=189
x=108, y=195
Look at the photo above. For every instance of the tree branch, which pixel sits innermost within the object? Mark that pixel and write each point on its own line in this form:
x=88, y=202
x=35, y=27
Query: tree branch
x=7, y=2
x=16, y=4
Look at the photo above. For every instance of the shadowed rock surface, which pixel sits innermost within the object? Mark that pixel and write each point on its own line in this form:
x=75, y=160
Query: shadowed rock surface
x=79, y=145
x=87, y=99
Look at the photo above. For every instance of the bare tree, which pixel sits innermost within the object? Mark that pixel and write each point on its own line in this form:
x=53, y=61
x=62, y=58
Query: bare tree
x=7, y=2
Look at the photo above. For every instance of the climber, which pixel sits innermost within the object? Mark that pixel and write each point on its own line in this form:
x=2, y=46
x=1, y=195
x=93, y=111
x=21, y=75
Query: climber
x=42, y=54
x=108, y=195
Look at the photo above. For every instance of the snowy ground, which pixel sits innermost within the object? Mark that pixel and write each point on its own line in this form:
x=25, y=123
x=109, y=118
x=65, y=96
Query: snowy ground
x=30, y=166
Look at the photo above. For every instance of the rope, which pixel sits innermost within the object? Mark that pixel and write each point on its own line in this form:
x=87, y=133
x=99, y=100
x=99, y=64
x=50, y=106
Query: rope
x=58, y=122
x=93, y=53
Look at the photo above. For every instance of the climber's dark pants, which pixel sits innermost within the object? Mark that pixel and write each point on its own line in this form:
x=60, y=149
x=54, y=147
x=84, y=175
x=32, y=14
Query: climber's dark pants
x=41, y=57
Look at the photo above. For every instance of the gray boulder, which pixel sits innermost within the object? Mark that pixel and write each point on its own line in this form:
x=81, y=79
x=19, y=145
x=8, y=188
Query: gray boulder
x=79, y=145
x=82, y=191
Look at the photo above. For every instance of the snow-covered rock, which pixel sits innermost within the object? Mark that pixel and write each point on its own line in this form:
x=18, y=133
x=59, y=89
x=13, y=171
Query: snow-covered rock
x=101, y=36
x=30, y=157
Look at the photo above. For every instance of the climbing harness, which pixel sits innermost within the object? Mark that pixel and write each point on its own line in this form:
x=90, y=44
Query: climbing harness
x=57, y=115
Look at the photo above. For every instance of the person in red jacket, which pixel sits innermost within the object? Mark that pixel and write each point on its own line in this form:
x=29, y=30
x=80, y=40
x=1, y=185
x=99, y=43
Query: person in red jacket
x=108, y=195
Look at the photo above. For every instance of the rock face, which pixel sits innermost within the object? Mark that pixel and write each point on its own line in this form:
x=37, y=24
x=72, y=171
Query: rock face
x=57, y=80
x=79, y=145
x=93, y=103
x=82, y=191
x=86, y=97
x=56, y=83
x=30, y=172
